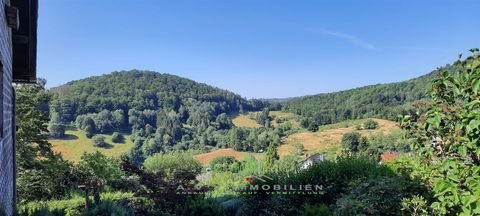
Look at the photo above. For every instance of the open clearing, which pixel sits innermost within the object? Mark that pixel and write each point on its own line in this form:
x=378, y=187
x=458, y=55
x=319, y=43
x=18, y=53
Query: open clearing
x=328, y=138
x=248, y=119
x=75, y=143
x=245, y=120
x=206, y=158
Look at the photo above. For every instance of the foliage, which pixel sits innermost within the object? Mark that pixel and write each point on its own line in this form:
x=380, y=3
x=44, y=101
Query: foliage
x=376, y=144
x=370, y=124
x=56, y=128
x=447, y=137
x=381, y=196
x=41, y=174
x=318, y=210
x=222, y=183
x=384, y=101
x=95, y=167
x=415, y=206
x=163, y=112
x=270, y=158
x=251, y=139
x=351, y=141
x=65, y=206
x=165, y=193
x=170, y=163
x=222, y=163
x=335, y=177
x=51, y=178
x=99, y=141
x=263, y=118
x=201, y=207
x=102, y=122
x=107, y=209
x=117, y=138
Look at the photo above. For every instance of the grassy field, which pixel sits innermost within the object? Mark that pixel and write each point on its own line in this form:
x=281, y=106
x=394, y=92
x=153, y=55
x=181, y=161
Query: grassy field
x=248, y=119
x=328, y=138
x=245, y=120
x=75, y=143
x=206, y=158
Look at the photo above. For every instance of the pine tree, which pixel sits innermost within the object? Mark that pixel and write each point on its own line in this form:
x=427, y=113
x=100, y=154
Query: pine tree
x=270, y=159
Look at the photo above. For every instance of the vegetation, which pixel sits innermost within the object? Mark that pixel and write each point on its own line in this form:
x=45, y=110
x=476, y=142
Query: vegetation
x=453, y=121
x=171, y=163
x=370, y=124
x=41, y=173
x=75, y=142
x=437, y=172
x=384, y=101
x=117, y=138
x=99, y=141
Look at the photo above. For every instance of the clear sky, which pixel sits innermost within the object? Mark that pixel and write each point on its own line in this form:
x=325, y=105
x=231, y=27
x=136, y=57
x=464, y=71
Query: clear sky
x=257, y=48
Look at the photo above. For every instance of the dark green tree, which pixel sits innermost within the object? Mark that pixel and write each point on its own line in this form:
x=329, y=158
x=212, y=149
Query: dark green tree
x=271, y=158
x=56, y=127
x=41, y=174
x=351, y=141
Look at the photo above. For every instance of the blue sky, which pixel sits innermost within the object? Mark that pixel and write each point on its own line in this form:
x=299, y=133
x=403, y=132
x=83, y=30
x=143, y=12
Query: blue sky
x=257, y=48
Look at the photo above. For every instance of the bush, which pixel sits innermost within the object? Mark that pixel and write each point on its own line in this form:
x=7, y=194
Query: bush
x=381, y=196
x=351, y=141
x=201, y=207
x=96, y=166
x=108, y=208
x=56, y=130
x=335, y=177
x=99, y=141
x=171, y=163
x=222, y=163
x=117, y=138
x=66, y=206
x=320, y=210
x=370, y=124
x=89, y=131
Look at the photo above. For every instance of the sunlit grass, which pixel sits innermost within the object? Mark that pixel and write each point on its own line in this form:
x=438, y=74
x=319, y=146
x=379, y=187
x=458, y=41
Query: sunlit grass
x=75, y=143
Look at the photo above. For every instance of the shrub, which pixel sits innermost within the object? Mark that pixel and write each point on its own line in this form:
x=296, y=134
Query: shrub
x=117, y=138
x=96, y=166
x=318, y=210
x=351, y=141
x=56, y=130
x=201, y=207
x=170, y=163
x=447, y=137
x=359, y=127
x=108, y=208
x=335, y=177
x=222, y=163
x=99, y=141
x=381, y=196
x=66, y=206
x=370, y=124
x=51, y=179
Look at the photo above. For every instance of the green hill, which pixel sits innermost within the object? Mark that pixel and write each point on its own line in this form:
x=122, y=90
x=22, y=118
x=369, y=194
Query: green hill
x=140, y=90
x=384, y=101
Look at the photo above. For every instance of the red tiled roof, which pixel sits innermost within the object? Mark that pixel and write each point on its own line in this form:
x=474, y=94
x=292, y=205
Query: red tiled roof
x=388, y=156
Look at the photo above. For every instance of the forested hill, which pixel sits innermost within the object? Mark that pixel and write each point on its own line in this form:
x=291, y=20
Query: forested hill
x=140, y=90
x=381, y=100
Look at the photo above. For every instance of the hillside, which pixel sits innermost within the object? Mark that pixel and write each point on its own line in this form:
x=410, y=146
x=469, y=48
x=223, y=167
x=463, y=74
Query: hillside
x=139, y=90
x=327, y=139
x=384, y=101
x=75, y=143
x=206, y=158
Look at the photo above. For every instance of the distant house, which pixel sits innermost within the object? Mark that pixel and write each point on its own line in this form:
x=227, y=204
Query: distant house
x=390, y=156
x=310, y=161
x=18, y=48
